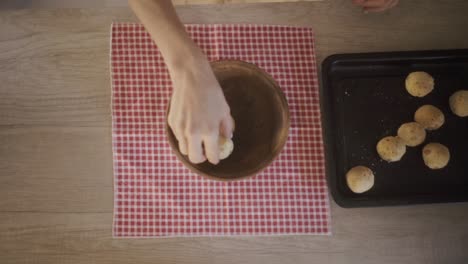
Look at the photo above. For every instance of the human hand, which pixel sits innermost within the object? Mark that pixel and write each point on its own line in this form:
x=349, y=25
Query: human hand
x=198, y=112
x=375, y=5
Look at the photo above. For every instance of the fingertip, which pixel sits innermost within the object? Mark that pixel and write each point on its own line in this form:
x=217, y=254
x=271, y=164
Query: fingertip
x=182, y=141
x=183, y=147
x=213, y=155
x=214, y=161
x=227, y=127
x=211, y=145
x=195, y=150
x=197, y=160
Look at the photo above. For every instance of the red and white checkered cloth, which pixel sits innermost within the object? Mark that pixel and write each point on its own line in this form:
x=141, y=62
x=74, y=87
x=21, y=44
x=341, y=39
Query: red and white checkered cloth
x=156, y=196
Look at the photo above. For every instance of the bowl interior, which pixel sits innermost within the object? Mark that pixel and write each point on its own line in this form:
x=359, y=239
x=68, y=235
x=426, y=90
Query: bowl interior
x=261, y=115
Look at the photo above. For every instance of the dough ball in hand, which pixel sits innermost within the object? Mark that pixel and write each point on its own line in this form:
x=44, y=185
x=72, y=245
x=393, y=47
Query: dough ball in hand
x=391, y=148
x=226, y=146
x=360, y=179
x=412, y=134
x=419, y=83
x=430, y=117
x=435, y=155
x=459, y=103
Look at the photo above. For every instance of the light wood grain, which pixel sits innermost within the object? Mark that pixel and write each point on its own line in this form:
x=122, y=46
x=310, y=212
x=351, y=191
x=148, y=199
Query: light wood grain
x=56, y=169
x=424, y=234
x=55, y=141
x=200, y=2
x=119, y=3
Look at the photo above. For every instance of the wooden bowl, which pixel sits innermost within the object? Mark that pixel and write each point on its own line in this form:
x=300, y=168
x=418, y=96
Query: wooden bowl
x=261, y=115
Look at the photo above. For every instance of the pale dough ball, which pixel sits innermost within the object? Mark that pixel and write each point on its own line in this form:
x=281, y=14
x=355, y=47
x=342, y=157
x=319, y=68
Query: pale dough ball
x=435, y=155
x=419, y=83
x=459, y=103
x=226, y=146
x=360, y=179
x=412, y=134
x=429, y=116
x=391, y=148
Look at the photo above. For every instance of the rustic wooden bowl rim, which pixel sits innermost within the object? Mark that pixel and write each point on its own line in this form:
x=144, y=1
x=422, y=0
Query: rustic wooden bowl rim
x=267, y=162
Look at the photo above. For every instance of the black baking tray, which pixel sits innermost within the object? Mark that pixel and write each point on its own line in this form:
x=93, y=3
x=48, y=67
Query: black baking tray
x=363, y=98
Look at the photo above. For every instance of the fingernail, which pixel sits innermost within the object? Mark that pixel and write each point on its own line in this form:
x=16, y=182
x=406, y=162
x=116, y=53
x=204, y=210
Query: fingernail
x=198, y=161
x=231, y=136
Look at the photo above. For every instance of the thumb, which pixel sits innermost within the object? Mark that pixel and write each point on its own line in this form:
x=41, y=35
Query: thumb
x=227, y=127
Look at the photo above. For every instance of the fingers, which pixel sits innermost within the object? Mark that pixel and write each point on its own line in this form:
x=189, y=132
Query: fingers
x=182, y=141
x=183, y=145
x=197, y=145
x=195, y=150
x=178, y=131
x=212, y=148
x=227, y=127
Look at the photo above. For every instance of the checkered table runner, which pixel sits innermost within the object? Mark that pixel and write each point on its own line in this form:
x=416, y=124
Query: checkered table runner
x=156, y=196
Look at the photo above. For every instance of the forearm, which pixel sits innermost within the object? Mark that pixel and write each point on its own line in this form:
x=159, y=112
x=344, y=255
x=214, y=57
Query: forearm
x=198, y=112
x=162, y=23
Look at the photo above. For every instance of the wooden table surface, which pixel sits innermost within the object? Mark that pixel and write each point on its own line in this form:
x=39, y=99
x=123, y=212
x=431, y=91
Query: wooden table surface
x=55, y=141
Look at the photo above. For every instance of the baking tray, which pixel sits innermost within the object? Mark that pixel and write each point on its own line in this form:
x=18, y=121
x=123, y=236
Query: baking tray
x=363, y=99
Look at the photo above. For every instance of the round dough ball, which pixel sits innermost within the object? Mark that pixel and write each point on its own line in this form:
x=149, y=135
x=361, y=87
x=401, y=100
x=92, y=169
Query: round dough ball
x=419, y=83
x=412, y=134
x=226, y=146
x=391, y=148
x=430, y=117
x=435, y=155
x=459, y=103
x=360, y=179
